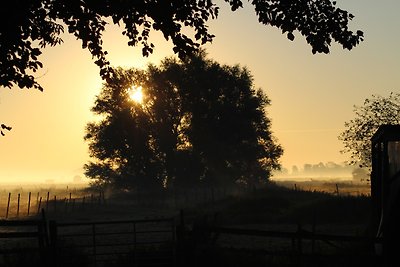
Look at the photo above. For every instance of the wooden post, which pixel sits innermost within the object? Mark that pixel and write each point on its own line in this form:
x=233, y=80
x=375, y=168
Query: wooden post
x=47, y=201
x=66, y=204
x=29, y=202
x=55, y=203
x=19, y=199
x=8, y=205
x=39, y=204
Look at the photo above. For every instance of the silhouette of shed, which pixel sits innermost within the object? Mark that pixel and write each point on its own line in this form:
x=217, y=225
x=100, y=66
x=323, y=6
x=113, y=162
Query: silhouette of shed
x=385, y=186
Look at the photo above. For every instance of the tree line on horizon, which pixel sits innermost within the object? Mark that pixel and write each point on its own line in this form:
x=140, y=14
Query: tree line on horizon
x=324, y=170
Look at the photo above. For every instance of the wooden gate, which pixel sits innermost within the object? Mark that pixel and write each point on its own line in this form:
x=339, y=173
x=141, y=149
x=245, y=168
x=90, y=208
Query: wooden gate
x=23, y=243
x=114, y=243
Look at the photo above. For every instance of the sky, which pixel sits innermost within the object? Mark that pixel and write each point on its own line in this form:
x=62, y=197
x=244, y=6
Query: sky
x=312, y=96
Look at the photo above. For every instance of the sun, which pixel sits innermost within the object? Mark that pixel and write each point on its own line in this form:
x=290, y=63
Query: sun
x=136, y=94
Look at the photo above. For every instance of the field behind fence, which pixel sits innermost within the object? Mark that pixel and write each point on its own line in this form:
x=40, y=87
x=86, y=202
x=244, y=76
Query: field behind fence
x=21, y=201
x=28, y=201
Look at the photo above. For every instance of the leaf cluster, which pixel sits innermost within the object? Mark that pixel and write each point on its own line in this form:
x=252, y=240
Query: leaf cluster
x=4, y=127
x=26, y=27
x=375, y=111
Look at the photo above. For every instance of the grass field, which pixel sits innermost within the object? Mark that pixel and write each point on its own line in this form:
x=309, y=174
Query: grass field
x=330, y=207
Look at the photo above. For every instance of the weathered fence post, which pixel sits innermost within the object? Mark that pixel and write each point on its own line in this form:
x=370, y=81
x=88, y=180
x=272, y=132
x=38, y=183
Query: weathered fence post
x=8, y=204
x=55, y=204
x=39, y=204
x=29, y=202
x=47, y=201
x=19, y=199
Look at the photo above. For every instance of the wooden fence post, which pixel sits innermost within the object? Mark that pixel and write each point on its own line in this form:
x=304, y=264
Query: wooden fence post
x=39, y=204
x=55, y=204
x=47, y=201
x=29, y=202
x=19, y=199
x=8, y=205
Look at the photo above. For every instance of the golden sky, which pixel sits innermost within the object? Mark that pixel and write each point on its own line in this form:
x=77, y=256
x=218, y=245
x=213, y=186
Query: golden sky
x=312, y=95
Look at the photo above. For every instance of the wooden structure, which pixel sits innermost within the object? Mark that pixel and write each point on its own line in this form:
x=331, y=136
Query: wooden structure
x=385, y=186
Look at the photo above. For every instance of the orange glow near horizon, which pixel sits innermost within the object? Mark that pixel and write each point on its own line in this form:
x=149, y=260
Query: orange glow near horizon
x=311, y=95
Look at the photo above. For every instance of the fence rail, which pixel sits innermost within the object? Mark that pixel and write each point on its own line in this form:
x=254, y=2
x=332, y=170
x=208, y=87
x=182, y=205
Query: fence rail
x=137, y=242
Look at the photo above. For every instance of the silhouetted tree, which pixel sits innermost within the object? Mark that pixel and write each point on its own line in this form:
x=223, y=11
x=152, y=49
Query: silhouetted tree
x=199, y=123
x=376, y=111
x=26, y=27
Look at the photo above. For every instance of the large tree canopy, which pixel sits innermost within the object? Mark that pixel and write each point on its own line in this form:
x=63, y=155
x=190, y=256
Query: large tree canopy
x=199, y=123
x=376, y=111
x=26, y=27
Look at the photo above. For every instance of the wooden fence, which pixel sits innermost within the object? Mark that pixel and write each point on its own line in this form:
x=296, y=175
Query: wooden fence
x=23, y=242
x=16, y=205
x=37, y=242
x=280, y=248
x=163, y=242
x=128, y=242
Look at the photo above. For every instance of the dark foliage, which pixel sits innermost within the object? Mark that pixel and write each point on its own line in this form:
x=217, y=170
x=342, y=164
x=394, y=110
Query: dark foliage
x=26, y=27
x=376, y=111
x=200, y=122
x=4, y=127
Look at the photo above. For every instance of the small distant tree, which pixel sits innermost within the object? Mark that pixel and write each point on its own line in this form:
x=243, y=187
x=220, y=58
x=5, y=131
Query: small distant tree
x=375, y=111
x=199, y=123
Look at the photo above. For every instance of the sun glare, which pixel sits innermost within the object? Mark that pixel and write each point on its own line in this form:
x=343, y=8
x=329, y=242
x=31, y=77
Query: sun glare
x=136, y=94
